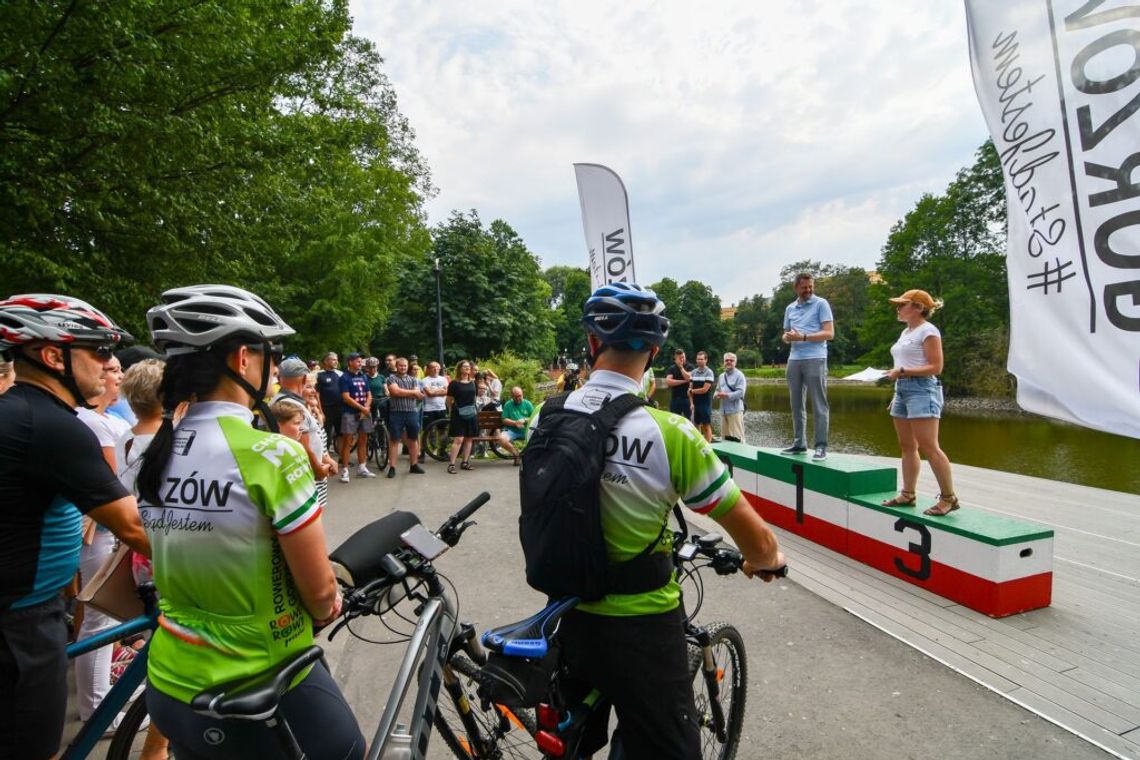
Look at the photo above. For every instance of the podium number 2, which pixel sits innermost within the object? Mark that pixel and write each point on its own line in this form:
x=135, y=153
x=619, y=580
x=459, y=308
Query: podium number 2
x=921, y=550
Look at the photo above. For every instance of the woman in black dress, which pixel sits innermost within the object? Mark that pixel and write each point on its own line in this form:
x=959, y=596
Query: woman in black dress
x=464, y=414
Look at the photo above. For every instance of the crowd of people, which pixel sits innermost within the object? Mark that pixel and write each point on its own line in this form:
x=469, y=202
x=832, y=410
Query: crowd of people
x=92, y=434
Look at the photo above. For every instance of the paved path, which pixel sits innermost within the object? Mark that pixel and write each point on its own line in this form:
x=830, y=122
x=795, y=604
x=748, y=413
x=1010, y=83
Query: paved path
x=822, y=683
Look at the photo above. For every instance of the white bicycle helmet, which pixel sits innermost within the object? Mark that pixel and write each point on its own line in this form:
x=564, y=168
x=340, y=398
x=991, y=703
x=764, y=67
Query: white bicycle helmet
x=196, y=317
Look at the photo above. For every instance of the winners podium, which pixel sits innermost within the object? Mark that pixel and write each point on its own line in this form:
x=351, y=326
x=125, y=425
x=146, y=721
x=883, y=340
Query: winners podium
x=996, y=565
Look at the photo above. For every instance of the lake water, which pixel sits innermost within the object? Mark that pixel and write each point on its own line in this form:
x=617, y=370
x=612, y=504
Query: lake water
x=993, y=438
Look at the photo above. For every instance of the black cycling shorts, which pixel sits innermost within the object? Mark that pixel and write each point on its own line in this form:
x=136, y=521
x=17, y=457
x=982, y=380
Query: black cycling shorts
x=641, y=667
x=33, y=680
x=315, y=709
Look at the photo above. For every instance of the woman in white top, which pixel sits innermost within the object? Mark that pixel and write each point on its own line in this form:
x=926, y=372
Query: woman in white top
x=93, y=670
x=917, y=404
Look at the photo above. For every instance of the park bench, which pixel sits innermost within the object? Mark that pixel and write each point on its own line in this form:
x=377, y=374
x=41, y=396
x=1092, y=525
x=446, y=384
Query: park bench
x=993, y=564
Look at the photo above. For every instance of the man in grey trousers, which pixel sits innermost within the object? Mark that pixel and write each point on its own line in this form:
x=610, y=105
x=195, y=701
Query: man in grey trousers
x=808, y=325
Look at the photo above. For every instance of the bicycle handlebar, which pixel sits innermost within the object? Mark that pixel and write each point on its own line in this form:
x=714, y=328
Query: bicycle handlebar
x=726, y=560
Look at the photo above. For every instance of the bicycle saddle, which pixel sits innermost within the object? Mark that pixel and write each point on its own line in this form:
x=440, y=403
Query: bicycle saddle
x=359, y=559
x=530, y=637
x=254, y=698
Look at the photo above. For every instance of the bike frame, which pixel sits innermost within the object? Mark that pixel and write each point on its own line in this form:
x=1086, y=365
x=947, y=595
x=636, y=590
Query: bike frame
x=135, y=674
x=432, y=637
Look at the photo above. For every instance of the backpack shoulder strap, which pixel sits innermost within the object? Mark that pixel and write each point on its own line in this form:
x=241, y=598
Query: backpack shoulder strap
x=609, y=414
x=555, y=402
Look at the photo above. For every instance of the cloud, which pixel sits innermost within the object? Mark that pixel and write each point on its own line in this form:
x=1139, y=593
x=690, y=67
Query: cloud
x=748, y=136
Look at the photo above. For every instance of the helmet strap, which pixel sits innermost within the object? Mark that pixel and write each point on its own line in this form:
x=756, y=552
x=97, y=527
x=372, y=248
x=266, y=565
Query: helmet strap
x=258, y=394
x=66, y=378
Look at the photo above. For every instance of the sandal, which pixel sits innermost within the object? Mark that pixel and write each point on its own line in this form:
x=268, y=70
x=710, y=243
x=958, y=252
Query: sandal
x=451, y=469
x=517, y=461
x=466, y=466
x=949, y=499
x=904, y=499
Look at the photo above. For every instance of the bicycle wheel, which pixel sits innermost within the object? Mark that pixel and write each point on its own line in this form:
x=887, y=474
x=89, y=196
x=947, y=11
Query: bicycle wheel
x=437, y=441
x=378, y=445
x=129, y=738
x=498, y=450
x=732, y=680
x=505, y=733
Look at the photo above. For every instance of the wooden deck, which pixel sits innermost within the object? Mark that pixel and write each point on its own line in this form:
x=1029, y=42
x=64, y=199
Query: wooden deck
x=1075, y=663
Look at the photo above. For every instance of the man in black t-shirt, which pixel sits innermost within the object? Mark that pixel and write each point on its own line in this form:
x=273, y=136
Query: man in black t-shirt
x=677, y=380
x=51, y=470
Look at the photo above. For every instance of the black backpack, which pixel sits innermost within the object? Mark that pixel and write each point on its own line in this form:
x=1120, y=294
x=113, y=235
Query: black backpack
x=561, y=523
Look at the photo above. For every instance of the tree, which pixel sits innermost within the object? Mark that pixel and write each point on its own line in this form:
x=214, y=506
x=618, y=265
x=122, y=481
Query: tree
x=748, y=324
x=493, y=296
x=145, y=145
x=694, y=320
x=707, y=331
x=570, y=287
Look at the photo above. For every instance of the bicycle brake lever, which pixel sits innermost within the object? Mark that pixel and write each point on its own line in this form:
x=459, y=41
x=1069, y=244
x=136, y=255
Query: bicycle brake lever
x=336, y=628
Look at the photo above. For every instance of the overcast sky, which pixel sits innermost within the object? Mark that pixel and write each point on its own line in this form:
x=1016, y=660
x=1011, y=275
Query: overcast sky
x=748, y=134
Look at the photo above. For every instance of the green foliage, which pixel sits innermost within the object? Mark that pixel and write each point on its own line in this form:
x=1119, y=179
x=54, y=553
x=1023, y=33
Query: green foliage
x=145, y=145
x=747, y=358
x=694, y=317
x=514, y=370
x=752, y=315
x=569, y=289
x=493, y=296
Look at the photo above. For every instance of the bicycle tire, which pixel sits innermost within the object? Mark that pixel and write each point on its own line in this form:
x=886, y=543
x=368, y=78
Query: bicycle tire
x=437, y=440
x=510, y=732
x=732, y=674
x=378, y=446
x=498, y=450
x=127, y=741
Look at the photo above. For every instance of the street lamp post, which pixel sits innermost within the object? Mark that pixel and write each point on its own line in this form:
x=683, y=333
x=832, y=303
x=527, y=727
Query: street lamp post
x=438, y=314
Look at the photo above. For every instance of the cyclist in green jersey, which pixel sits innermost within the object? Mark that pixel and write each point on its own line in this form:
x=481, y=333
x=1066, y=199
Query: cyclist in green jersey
x=631, y=647
x=239, y=550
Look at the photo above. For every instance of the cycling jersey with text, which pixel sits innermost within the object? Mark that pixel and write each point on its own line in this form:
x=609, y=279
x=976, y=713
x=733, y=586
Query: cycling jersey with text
x=653, y=459
x=229, y=606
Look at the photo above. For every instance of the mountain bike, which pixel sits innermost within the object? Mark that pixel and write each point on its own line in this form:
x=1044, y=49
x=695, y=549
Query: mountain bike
x=525, y=667
x=384, y=565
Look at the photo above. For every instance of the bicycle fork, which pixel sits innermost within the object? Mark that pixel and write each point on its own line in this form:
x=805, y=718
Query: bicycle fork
x=712, y=677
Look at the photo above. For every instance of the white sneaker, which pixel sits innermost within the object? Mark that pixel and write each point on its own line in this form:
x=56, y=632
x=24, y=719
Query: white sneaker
x=364, y=472
x=118, y=721
x=344, y=475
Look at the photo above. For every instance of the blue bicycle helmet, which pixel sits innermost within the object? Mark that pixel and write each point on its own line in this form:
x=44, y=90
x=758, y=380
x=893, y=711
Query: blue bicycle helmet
x=626, y=315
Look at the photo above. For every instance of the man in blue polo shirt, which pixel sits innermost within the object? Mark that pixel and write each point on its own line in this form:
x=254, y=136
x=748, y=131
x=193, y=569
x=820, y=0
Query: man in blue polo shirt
x=808, y=325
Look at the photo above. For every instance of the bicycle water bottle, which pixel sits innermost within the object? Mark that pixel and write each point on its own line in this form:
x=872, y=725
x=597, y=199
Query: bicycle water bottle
x=399, y=745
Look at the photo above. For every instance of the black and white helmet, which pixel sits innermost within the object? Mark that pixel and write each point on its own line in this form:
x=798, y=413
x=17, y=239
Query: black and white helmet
x=198, y=316
x=55, y=319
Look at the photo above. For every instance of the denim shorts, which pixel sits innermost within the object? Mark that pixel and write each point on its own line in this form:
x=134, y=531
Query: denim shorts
x=400, y=423
x=917, y=398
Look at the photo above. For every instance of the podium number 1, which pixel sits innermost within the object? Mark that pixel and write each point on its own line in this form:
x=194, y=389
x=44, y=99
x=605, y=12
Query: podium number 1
x=798, y=469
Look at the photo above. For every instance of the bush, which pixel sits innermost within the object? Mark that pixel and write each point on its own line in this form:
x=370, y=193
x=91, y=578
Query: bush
x=748, y=358
x=514, y=370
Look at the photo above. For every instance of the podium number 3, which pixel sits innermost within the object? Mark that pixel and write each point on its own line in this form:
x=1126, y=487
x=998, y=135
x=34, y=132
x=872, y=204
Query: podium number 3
x=922, y=551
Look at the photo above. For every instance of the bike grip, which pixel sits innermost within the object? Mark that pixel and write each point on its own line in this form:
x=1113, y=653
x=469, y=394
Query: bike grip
x=472, y=506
